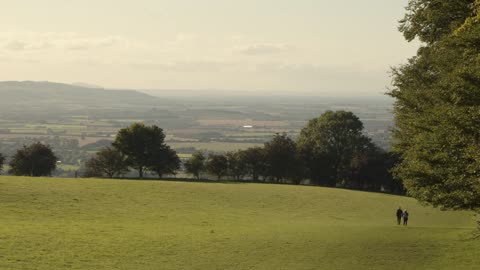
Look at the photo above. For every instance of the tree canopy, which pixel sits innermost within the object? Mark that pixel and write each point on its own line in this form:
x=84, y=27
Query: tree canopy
x=430, y=20
x=166, y=162
x=196, y=164
x=254, y=162
x=34, y=160
x=217, y=165
x=108, y=162
x=237, y=165
x=281, y=158
x=329, y=143
x=144, y=148
x=437, y=109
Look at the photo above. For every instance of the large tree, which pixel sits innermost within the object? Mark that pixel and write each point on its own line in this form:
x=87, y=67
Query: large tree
x=34, y=160
x=108, y=162
x=329, y=143
x=437, y=108
x=143, y=146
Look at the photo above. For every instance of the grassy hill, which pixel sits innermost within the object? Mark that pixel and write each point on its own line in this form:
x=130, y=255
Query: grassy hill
x=103, y=224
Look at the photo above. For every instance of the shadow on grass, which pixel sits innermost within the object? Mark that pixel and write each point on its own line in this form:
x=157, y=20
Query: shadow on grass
x=190, y=180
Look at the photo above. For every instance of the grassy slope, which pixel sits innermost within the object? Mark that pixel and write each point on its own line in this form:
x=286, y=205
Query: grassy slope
x=103, y=224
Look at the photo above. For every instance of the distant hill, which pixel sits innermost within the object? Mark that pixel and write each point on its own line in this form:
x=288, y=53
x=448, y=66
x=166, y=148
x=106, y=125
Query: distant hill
x=87, y=85
x=30, y=95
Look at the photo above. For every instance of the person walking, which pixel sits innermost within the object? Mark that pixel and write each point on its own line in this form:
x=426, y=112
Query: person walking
x=405, y=218
x=399, y=215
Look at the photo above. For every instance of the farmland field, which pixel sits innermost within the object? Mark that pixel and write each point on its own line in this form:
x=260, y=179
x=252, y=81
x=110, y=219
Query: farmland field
x=110, y=224
x=79, y=127
x=215, y=147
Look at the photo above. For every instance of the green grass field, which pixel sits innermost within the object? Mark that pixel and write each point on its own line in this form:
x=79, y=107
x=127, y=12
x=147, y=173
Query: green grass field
x=111, y=224
x=214, y=146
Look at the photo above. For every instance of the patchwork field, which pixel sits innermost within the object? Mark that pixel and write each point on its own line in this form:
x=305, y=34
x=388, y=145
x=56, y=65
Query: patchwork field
x=214, y=147
x=109, y=224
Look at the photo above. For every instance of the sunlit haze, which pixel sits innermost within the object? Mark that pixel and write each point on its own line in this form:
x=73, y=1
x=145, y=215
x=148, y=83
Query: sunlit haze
x=317, y=47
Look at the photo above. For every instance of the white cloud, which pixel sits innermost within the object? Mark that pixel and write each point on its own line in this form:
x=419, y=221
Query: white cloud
x=96, y=43
x=185, y=66
x=61, y=41
x=17, y=45
x=263, y=49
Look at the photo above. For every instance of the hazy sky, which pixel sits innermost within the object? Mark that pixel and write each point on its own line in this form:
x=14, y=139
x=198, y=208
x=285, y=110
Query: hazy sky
x=317, y=46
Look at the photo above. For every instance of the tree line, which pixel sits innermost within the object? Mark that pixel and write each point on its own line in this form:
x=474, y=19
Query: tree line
x=331, y=150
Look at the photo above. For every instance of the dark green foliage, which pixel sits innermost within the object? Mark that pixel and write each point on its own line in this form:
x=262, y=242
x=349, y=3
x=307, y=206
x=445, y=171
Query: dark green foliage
x=166, y=163
x=144, y=148
x=281, y=158
x=34, y=160
x=437, y=116
x=318, y=166
x=217, y=165
x=372, y=171
x=254, y=162
x=328, y=145
x=237, y=165
x=2, y=162
x=430, y=20
x=196, y=164
x=108, y=162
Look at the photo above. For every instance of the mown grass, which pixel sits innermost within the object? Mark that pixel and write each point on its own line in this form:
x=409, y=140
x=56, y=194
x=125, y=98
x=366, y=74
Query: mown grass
x=111, y=224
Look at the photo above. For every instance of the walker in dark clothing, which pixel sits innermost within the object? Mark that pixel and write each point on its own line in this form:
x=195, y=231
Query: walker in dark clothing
x=399, y=215
x=405, y=218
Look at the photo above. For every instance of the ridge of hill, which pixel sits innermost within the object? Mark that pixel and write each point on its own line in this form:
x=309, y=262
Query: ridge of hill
x=32, y=94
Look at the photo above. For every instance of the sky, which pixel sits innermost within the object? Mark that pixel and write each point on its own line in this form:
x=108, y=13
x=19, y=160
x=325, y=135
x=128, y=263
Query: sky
x=319, y=47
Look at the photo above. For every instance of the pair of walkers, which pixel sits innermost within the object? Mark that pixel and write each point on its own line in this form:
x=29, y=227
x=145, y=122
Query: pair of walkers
x=402, y=214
